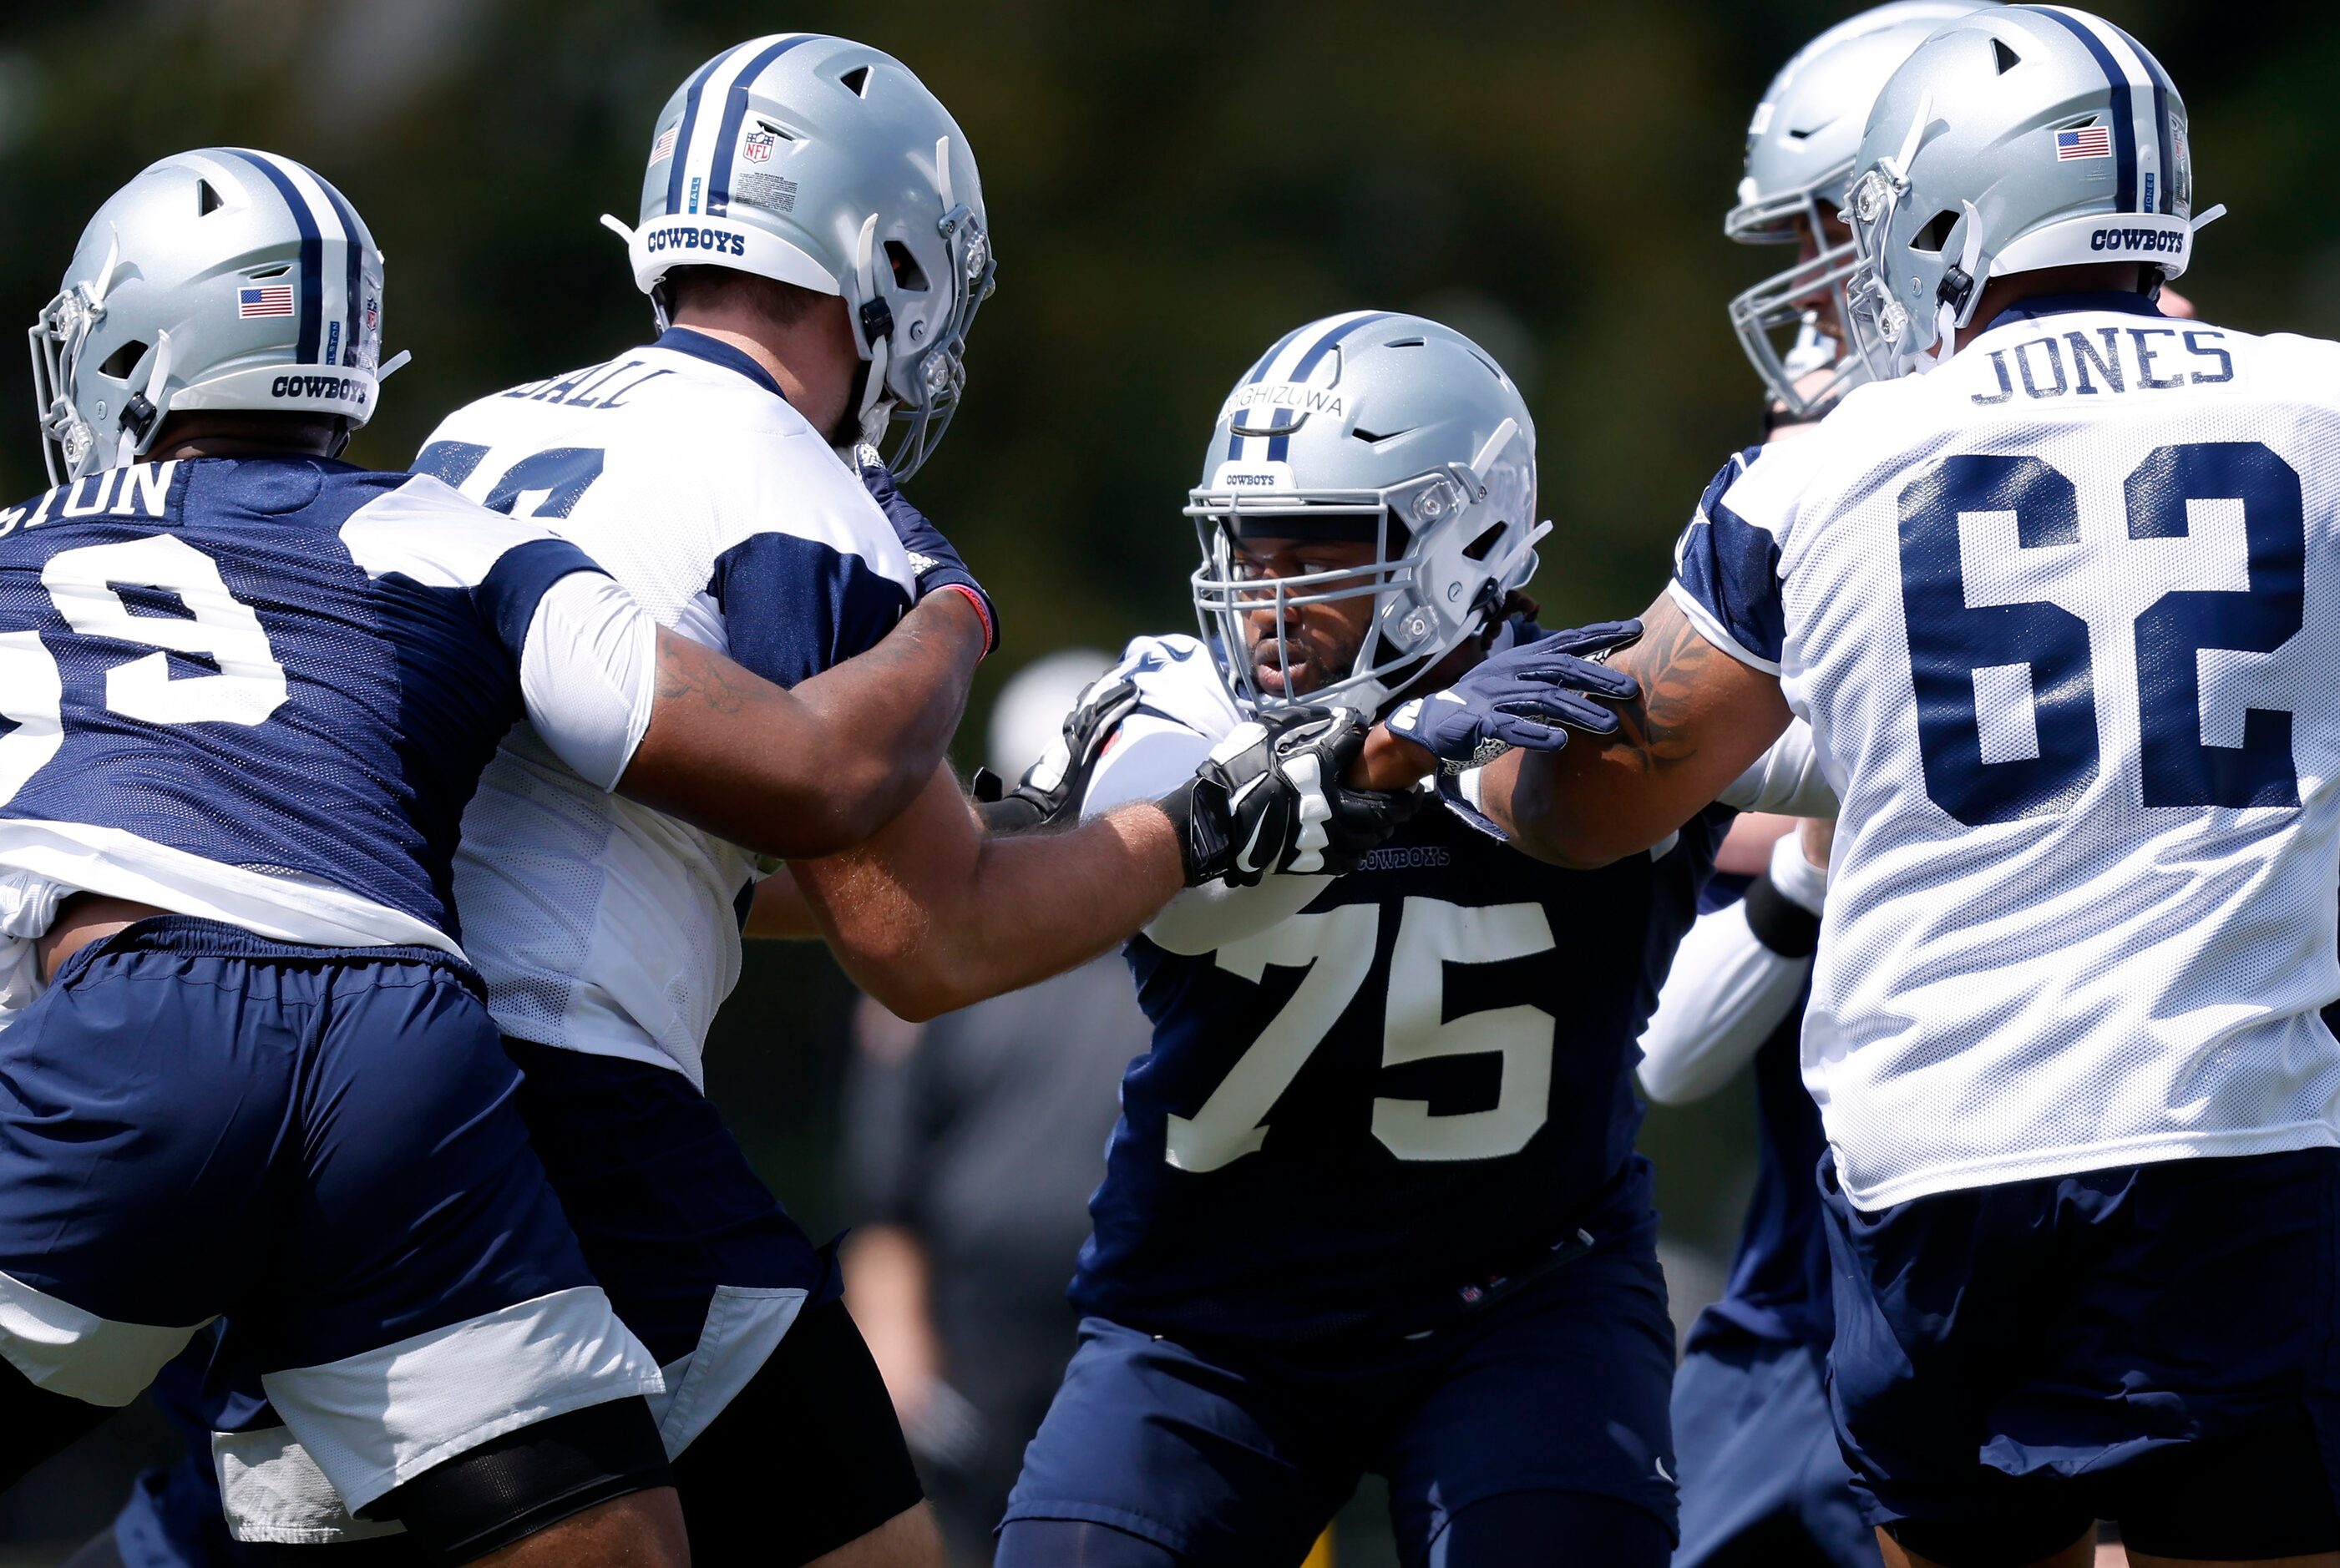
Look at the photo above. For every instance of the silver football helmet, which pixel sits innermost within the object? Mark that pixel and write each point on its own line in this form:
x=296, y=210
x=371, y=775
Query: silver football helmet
x=1375, y=427
x=2019, y=138
x=218, y=279
x=825, y=164
x=1801, y=146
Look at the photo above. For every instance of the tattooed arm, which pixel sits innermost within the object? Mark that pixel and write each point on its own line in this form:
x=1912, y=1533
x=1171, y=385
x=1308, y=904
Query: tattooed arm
x=1701, y=719
x=813, y=769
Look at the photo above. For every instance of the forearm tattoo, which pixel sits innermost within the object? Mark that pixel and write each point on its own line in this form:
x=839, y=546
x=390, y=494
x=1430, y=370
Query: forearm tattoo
x=689, y=673
x=1657, y=730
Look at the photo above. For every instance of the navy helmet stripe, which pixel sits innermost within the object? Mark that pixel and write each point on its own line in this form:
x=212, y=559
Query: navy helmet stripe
x=2123, y=114
x=308, y=327
x=1259, y=374
x=2163, y=89
x=354, y=246
x=1279, y=446
x=735, y=114
x=2161, y=126
x=682, y=134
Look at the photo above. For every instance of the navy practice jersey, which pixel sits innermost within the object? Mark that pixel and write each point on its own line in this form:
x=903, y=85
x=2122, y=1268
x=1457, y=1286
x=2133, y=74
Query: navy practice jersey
x=1369, y=1095
x=261, y=690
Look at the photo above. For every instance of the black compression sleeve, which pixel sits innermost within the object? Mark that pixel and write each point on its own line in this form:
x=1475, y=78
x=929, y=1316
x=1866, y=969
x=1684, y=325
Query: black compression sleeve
x=1778, y=922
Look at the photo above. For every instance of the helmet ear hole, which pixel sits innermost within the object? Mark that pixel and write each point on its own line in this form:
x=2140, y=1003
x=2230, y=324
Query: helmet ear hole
x=122, y=360
x=1936, y=233
x=1479, y=548
x=909, y=276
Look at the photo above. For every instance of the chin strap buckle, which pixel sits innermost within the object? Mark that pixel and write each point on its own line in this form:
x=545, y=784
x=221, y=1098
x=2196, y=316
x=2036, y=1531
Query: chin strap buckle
x=1954, y=289
x=876, y=320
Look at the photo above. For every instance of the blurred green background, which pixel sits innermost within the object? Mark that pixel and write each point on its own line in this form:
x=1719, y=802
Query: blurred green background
x=1170, y=186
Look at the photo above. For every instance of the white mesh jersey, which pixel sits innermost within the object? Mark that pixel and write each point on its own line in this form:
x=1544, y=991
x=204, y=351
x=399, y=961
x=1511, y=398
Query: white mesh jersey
x=2063, y=614
x=600, y=925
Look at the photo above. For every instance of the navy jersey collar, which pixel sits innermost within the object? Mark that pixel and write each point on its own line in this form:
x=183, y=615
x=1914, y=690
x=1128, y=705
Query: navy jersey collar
x=699, y=346
x=2039, y=305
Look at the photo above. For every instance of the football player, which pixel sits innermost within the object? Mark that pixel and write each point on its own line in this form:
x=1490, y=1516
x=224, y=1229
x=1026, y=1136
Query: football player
x=1373, y=1203
x=813, y=239
x=247, y=689
x=2052, y=594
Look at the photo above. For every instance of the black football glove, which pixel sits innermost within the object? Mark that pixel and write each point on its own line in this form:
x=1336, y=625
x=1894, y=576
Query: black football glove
x=1271, y=799
x=1052, y=789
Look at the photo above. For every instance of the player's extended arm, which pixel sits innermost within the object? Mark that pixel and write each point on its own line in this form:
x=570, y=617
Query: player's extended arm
x=933, y=914
x=938, y=912
x=816, y=768
x=1700, y=720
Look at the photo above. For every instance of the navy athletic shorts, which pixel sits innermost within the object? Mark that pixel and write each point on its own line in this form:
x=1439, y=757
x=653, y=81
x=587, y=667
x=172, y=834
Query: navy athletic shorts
x=1763, y=1480
x=1236, y=1454
x=2157, y=1345
x=320, y=1144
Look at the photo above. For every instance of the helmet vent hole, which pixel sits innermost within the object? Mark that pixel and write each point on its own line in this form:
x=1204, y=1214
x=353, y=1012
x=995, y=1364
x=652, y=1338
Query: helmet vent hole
x=207, y=201
x=856, y=81
x=1402, y=343
x=277, y=271
x=908, y=275
x=1479, y=548
x=122, y=360
x=772, y=130
x=1936, y=233
x=2007, y=59
x=1372, y=440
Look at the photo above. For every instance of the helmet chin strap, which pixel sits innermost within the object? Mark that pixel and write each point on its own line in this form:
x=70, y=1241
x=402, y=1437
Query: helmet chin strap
x=874, y=325
x=1952, y=316
x=140, y=419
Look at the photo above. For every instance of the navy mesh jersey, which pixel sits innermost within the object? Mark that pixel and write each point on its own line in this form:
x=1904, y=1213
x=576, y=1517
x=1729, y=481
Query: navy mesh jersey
x=271, y=683
x=1352, y=1122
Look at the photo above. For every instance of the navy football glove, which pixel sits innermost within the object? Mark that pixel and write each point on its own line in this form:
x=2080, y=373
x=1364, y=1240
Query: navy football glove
x=1052, y=789
x=1526, y=696
x=933, y=561
x=1270, y=798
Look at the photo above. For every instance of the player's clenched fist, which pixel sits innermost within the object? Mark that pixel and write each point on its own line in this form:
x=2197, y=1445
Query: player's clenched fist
x=1270, y=798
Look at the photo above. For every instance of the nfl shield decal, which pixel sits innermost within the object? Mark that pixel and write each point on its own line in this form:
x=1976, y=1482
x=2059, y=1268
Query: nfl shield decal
x=758, y=147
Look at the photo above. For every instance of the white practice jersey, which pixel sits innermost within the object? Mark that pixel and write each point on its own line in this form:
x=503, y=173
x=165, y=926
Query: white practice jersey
x=600, y=925
x=2063, y=614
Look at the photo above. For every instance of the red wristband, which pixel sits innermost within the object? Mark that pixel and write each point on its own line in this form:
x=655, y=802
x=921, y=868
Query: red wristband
x=982, y=613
